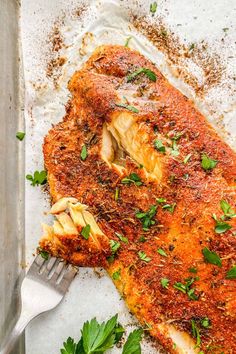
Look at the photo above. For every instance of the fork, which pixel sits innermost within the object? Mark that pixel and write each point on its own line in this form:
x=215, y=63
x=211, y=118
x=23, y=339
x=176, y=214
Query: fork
x=42, y=289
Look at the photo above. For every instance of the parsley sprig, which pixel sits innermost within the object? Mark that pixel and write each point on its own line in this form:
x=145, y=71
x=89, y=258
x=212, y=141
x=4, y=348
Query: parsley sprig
x=98, y=338
x=132, y=178
x=147, y=217
x=149, y=73
x=37, y=178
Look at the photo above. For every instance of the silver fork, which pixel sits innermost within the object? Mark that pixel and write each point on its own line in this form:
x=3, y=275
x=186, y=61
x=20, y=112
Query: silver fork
x=42, y=289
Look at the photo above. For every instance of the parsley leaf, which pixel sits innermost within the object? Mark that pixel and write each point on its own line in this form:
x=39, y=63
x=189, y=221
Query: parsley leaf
x=37, y=178
x=196, y=333
x=132, y=345
x=192, y=270
x=20, y=135
x=69, y=346
x=115, y=245
x=162, y=252
x=121, y=237
x=153, y=7
x=44, y=254
x=186, y=288
x=84, y=153
x=211, y=257
x=161, y=200
x=221, y=226
x=231, y=274
x=227, y=210
x=149, y=73
x=127, y=41
x=86, y=231
x=159, y=146
x=142, y=255
x=132, y=178
x=146, y=218
x=175, y=149
x=116, y=275
x=142, y=239
x=165, y=283
x=205, y=322
x=169, y=207
x=130, y=108
x=97, y=338
x=208, y=163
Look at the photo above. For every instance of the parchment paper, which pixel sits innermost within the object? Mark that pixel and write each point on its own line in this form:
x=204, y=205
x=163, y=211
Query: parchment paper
x=194, y=22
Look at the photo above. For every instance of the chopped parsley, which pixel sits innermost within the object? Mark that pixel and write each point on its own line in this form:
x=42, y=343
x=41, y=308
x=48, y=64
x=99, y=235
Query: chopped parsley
x=192, y=270
x=38, y=178
x=161, y=200
x=116, y=194
x=162, y=252
x=187, y=158
x=165, y=283
x=227, y=209
x=196, y=333
x=44, y=254
x=211, y=257
x=149, y=73
x=20, y=135
x=127, y=41
x=205, y=322
x=153, y=7
x=208, y=163
x=84, y=153
x=231, y=274
x=186, y=288
x=159, y=146
x=221, y=226
x=146, y=218
x=116, y=275
x=169, y=207
x=121, y=237
x=130, y=108
x=86, y=231
x=142, y=239
x=142, y=255
x=132, y=178
x=115, y=245
x=174, y=149
x=191, y=47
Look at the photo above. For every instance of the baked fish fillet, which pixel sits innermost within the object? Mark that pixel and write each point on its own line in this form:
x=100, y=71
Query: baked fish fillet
x=145, y=187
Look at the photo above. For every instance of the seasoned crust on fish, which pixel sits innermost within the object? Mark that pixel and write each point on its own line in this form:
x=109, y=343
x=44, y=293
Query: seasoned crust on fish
x=118, y=140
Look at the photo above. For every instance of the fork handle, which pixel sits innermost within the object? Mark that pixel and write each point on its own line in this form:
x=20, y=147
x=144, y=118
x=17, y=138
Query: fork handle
x=9, y=342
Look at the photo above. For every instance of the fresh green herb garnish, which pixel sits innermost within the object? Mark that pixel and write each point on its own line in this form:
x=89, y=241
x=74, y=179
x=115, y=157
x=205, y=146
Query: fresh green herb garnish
x=165, y=283
x=221, y=226
x=121, y=237
x=147, y=217
x=142, y=239
x=132, y=345
x=161, y=252
x=208, y=163
x=211, y=257
x=111, y=259
x=149, y=73
x=116, y=275
x=37, y=178
x=227, y=210
x=20, y=135
x=192, y=46
x=86, y=231
x=225, y=29
x=43, y=254
x=132, y=178
x=187, y=158
x=84, y=153
x=231, y=274
x=205, y=322
x=196, y=333
x=175, y=149
x=159, y=146
x=153, y=7
x=115, y=245
x=169, y=207
x=117, y=194
x=186, y=288
x=161, y=200
x=127, y=41
x=192, y=270
x=130, y=108
x=69, y=347
x=142, y=255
